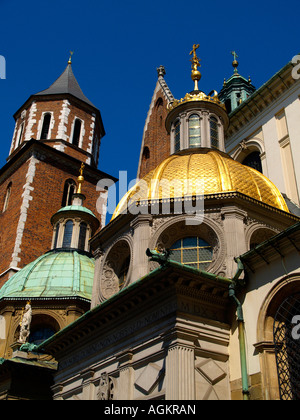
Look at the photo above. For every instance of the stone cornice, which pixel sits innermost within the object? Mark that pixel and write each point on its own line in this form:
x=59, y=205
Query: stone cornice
x=161, y=293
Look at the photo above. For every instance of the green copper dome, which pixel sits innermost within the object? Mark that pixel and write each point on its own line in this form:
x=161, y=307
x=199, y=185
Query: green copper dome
x=76, y=208
x=53, y=275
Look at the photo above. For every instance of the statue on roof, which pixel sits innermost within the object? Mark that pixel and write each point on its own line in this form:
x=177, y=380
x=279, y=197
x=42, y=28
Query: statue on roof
x=25, y=323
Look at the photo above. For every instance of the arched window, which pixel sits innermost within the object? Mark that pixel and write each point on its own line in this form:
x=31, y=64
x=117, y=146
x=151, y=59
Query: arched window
x=194, y=131
x=45, y=127
x=146, y=153
x=177, y=136
x=20, y=134
x=38, y=335
x=7, y=196
x=159, y=103
x=56, y=236
x=42, y=328
x=253, y=161
x=192, y=251
x=76, y=132
x=68, y=234
x=214, y=133
x=82, y=236
x=69, y=190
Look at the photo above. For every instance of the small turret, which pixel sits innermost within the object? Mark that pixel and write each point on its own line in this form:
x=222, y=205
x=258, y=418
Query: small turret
x=75, y=224
x=236, y=89
x=197, y=120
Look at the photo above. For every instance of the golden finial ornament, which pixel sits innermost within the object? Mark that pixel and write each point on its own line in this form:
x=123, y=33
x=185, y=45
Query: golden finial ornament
x=196, y=94
x=196, y=75
x=80, y=179
x=70, y=59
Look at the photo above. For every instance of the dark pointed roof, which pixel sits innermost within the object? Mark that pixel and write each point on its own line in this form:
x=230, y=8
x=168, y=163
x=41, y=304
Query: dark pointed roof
x=66, y=84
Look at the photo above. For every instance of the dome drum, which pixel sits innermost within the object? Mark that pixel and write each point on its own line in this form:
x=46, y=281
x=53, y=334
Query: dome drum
x=211, y=106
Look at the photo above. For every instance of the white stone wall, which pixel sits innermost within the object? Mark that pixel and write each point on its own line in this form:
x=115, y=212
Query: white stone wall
x=265, y=122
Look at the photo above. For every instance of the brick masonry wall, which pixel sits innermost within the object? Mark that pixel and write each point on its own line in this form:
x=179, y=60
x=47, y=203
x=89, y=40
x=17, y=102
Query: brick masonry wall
x=156, y=139
x=37, y=192
x=10, y=218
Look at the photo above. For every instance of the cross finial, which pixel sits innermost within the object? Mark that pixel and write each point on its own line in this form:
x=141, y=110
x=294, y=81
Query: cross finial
x=235, y=56
x=70, y=59
x=235, y=62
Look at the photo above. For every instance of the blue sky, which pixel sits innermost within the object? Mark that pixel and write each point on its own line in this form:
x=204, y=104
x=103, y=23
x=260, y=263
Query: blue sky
x=119, y=44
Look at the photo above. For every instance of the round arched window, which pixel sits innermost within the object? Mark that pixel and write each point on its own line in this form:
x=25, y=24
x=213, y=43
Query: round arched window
x=254, y=161
x=38, y=335
x=192, y=251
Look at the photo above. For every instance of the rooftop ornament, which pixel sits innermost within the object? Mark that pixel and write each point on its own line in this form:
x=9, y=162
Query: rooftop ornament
x=196, y=94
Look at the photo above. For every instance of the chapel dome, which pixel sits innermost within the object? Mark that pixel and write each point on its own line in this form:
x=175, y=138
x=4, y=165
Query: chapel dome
x=65, y=274
x=202, y=171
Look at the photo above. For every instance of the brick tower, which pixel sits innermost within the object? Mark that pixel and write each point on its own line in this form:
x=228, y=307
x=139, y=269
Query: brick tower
x=156, y=141
x=55, y=131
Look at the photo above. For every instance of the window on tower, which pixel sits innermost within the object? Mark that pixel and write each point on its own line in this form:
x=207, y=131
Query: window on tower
x=76, y=132
x=146, y=153
x=69, y=190
x=45, y=127
x=68, y=234
x=194, y=131
x=56, y=236
x=82, y=236
x=20, y=134
x=177, y=136
x=7, y=196
x=214, y=133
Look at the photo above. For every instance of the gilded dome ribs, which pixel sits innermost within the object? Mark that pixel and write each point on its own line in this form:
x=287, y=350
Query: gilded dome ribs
x=202, y=171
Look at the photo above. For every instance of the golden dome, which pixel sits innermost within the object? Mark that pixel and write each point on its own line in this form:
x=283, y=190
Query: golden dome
x=202, y=171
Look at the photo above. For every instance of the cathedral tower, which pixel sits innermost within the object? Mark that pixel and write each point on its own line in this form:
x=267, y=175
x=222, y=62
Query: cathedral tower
x=56, y=131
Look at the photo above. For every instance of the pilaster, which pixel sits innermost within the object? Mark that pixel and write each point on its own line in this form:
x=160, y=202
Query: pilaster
x=141, y=235
x=180, y=367
x=234, y=234
x=126, y=378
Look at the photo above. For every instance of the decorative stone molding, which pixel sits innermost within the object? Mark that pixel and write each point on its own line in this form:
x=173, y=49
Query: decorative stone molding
x=112, y=262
